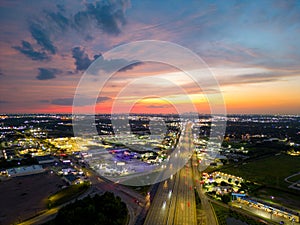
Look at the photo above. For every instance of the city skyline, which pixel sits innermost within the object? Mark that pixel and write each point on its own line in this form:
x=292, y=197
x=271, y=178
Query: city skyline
x=251, y=48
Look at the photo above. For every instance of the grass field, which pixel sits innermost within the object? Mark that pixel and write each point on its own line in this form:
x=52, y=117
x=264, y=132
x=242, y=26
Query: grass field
x=67, y=194
x=269, y=171
x=279, y=197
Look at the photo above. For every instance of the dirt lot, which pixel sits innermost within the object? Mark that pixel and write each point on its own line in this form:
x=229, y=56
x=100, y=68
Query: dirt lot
x=24, y=197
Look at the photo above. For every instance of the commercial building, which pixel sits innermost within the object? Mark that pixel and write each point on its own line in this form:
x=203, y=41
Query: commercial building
x=24, y=170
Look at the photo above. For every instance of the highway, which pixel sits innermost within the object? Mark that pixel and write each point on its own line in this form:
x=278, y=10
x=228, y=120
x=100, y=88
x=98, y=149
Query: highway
x=185, y=208
x=174, y=202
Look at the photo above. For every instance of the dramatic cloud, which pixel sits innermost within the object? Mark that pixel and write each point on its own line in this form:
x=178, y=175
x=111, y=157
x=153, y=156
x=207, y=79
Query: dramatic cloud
x=244, y=43
x=28, y=50
x=3, y=102
x=82, y=60
x=108, y=15
x=59, y=19
x=42, y=37
x=47, y=73
x=113, y=64
x=61, y=7
x=83, y=101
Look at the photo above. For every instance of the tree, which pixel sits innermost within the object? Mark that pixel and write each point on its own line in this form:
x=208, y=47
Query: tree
x=225, y=198
x=223, y=183
x=104, y=209
x=244, y=186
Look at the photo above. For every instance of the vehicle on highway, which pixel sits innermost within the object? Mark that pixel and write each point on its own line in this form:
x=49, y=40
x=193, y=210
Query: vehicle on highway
x=164, y=205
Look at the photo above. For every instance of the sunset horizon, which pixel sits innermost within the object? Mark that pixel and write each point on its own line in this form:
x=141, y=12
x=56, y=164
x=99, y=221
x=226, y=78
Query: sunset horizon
x=251, y=50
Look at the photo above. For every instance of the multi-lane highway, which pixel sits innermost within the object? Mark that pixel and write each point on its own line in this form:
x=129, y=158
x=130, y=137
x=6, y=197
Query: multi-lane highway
x=174, y=202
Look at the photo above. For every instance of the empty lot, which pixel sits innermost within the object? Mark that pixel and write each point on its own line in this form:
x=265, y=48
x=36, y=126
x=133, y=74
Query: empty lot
x=24, y=197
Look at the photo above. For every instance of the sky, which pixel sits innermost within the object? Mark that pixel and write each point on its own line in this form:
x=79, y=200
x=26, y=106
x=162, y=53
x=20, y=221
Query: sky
x=251, y=48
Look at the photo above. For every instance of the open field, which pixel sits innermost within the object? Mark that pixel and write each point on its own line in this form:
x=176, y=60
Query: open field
x=66, y=194
x=24, y=197
x=269, y=171
x=278, y=197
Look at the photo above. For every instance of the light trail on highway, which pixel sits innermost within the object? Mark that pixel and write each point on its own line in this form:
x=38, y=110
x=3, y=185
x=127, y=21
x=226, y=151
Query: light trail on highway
x=174, y=202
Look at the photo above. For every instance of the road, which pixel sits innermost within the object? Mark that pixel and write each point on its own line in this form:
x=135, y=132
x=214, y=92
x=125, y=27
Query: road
x=127, y=195
x=99, y=186
x=261, y=213
x=174, y=202
x=210, y=218
x=51, y=213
